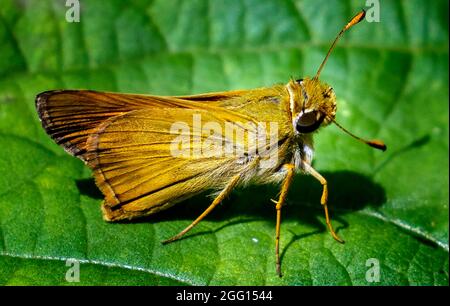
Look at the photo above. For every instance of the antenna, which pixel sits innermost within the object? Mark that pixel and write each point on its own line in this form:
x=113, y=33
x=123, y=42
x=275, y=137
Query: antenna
x=377, y=144
x=355, y=20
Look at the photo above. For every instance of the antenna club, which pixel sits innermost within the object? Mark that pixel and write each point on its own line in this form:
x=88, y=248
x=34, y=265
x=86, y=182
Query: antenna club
x=358, y=18
x=377, y=144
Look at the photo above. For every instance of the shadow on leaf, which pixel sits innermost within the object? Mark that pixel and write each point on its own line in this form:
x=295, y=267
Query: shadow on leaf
x=87, y=187
x=348, y=191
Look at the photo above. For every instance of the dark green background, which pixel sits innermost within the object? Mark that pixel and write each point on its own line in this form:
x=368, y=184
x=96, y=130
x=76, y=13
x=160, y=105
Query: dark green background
x=391, y=81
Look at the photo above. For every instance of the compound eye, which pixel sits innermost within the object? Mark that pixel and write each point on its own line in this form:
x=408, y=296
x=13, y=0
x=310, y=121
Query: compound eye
x=309, y=122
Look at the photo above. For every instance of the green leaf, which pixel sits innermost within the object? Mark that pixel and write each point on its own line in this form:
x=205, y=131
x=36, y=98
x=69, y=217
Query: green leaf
x=391, y=82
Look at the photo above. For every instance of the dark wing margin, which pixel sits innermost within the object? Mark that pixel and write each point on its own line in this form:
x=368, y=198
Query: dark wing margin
x=70, y=116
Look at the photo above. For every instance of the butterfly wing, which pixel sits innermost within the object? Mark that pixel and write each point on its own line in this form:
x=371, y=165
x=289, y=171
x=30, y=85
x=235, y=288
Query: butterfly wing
x=70, y=116
x=126, y=139
x=138, y=168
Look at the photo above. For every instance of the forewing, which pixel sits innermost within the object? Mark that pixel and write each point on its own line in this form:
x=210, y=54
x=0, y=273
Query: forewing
x=70, y=116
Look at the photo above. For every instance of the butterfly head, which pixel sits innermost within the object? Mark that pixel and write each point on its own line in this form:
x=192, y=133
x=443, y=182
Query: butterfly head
x=312, y=104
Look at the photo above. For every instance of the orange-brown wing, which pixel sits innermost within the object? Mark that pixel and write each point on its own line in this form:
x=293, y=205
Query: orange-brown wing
x=125, y=139
x=70, y=116
x=137, y=169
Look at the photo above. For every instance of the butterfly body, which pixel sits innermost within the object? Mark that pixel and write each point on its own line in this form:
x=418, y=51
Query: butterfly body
x=126, y=140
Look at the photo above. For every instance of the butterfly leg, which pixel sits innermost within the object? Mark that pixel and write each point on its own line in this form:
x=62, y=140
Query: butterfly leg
x=324, y=199
x=223, y=194
x=283, y=194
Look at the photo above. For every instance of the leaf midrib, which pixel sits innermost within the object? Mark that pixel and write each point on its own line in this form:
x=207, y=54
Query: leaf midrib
x=100, y=263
